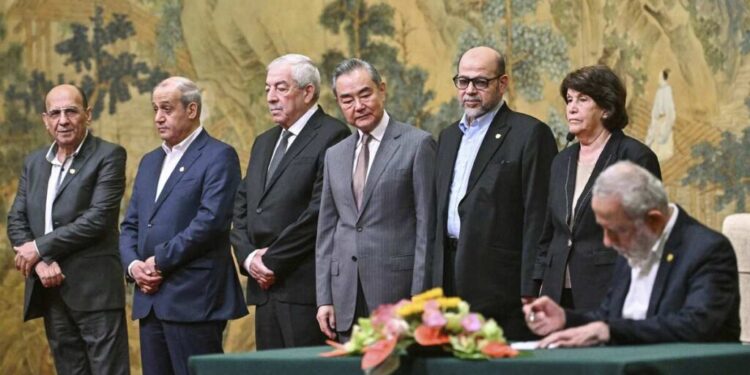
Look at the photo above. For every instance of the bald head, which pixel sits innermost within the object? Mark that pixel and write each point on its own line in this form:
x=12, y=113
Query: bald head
x=487, y=57
x=71, y=90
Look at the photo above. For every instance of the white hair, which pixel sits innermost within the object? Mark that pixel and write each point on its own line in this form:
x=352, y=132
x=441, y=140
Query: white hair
x=637, y=189
x=304, y=72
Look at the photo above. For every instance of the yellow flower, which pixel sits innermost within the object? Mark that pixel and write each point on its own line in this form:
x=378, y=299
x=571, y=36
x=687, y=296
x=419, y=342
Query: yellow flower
x=449, y=302
x=411, y=309
x=428, y=295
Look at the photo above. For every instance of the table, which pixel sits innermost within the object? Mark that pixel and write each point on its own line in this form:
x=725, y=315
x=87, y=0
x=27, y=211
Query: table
x=724, y=359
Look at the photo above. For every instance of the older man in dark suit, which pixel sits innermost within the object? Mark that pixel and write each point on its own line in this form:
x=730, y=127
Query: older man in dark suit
x=676, y=279
x=492, y=177
x=63, y=226
x=276, y=209
x=175, y=236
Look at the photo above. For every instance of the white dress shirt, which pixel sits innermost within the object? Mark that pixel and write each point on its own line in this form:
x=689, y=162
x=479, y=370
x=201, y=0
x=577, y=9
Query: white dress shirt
x=376, y=136
x=642, y=276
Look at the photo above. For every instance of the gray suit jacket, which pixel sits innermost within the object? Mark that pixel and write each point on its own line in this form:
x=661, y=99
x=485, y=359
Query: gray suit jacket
x=84, y=217
x=386, y=244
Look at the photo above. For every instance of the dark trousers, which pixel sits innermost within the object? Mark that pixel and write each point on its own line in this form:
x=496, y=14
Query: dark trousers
x=449, y=268
x=85, y=342
x=286, y=325
x=166, y=346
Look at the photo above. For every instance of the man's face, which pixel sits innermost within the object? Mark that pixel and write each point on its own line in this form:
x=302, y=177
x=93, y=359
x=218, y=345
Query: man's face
x=174, y=121
x=633, y=239
x=286, y=101
x=361, y=101
x=65, y=117
x=480, y=63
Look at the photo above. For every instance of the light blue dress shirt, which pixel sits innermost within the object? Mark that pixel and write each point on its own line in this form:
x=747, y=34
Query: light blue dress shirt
x=467, y=153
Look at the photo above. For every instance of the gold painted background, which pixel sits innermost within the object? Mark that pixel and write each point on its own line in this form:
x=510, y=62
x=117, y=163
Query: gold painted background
x=117, y=49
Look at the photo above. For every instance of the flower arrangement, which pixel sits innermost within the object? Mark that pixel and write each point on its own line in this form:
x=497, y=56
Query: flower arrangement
x=430, y=320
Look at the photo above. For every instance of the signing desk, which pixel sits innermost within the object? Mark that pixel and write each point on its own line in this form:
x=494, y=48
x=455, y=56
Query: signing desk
x=717, y=359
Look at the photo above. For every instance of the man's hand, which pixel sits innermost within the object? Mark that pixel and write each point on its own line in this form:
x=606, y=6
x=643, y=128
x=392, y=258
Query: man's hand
x=544, y=316
x=327, y=321
x=26, y=257
x=146, y=276
x=591, y=334
x=50, y=274
x=527, y=300
x=258, y=271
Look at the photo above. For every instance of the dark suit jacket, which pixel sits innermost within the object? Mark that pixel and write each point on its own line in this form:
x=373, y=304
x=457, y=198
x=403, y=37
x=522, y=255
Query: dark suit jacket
x=284, y=216
x=187, y=229
x=695, y=295
x=84, y=216
x=502, y=215
x=591, y=263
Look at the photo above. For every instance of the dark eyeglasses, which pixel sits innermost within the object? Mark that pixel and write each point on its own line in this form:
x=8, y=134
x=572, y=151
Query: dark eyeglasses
x=480, y=83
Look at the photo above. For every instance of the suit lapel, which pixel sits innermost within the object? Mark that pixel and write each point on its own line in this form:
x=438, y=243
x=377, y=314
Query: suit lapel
x=388, y=147
x=192, y=153
x=267, y=152
x=79, y=161
x=619, y=289
x=450, y=142
x=607, y=157
x=671, y=249
x=308, y=133
x=341, y=167
x=492, y=141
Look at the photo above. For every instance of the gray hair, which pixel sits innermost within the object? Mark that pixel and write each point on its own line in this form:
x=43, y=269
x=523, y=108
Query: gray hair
x=638, y=190
x=304, y=72
x=350, y=65
x=189, y=91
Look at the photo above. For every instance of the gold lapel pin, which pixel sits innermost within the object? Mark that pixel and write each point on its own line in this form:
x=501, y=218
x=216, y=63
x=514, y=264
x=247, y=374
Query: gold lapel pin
x=498, y=135
x=670, y=257
x=182, y=169
x=72, y=171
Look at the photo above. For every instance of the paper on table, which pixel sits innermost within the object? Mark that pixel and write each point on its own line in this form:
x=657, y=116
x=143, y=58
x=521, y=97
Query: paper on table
x=530, y=345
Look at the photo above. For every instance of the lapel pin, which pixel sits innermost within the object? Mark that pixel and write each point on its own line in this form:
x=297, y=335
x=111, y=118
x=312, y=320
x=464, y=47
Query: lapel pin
x=182, y=169
x=72, y=171
x=498, y=135
x=670, y=257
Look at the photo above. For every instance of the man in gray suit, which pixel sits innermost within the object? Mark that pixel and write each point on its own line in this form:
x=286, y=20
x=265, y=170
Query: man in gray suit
x=63, y=227
x=377, y=206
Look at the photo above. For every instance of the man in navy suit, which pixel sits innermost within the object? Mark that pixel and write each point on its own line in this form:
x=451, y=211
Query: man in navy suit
x=174, y=239
x=676, y=279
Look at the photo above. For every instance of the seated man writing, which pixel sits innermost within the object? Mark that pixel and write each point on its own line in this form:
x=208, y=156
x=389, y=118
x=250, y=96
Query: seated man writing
x=677, y=280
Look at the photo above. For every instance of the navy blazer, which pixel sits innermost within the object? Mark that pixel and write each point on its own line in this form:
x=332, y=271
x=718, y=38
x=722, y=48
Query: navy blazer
x=695, y=297
x=579, y=245
x=187, y=229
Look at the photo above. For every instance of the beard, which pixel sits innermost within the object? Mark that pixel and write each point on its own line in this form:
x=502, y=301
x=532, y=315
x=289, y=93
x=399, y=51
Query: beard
x=639, y=251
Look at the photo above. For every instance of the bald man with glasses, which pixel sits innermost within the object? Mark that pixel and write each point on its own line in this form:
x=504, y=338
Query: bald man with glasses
x=492, y=175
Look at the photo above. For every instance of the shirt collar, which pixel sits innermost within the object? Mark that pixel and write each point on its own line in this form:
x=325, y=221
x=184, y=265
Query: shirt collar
x=52, y=152
x=182, y=146
x=298, y=125
x=377, y=133
x=659, y=245
x=481, y=121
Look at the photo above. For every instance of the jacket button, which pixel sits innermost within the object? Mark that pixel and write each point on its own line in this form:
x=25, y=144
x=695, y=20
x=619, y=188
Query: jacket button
x=56, y=223
x=359, y=229
x=570, y=242
x=354, y=259
x=150, y=225
x=258, y=210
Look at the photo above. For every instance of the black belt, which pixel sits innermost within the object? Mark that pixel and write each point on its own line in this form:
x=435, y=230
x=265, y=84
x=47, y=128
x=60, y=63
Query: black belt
x=451, y=244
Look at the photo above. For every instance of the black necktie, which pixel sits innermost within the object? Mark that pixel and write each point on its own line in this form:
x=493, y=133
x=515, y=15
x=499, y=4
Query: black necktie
x=278, y=154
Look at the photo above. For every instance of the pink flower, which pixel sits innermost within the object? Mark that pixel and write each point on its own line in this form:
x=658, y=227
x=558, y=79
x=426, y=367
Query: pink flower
x=471, y=323
x=432, y=316
x=383, y=314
